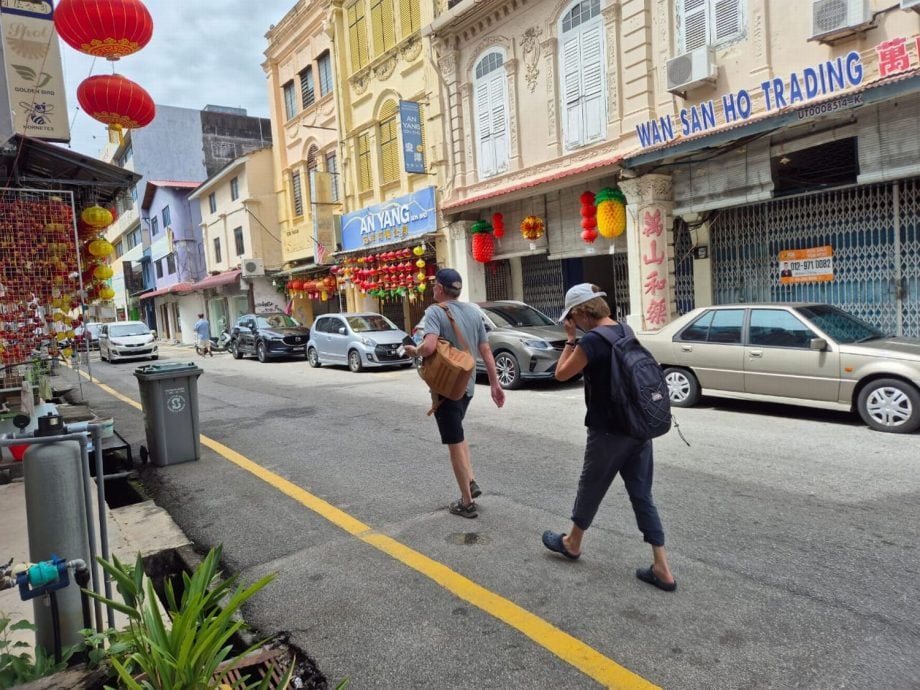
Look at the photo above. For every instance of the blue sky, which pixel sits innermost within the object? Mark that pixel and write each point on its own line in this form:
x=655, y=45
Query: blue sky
x=202, y=52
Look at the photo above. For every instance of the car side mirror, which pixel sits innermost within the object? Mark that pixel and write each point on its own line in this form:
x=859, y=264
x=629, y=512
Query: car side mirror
x=341, y=330
x=817, y=344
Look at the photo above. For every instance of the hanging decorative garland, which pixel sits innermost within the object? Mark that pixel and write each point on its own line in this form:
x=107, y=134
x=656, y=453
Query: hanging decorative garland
x=588, y=217
x=498, y=225
x=483, y=242
x=532, y=228
x=611, y=212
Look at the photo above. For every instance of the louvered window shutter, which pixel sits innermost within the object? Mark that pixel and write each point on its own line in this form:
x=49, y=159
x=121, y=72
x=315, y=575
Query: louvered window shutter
x=726, y=20
x=409, y=16
x=593, y=83
x=377, y=26
x=499, y=119
x=389, y=25
x=694, y=24
x=571, y=91
x=484, y=129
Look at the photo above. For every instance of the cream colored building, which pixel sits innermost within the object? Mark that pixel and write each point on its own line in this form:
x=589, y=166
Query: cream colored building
x=382, y=60
x=301, y=83
x=240, y=235
x=724, y=122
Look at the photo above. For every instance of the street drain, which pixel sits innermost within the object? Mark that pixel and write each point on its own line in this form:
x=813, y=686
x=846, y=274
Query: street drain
x=467, y=539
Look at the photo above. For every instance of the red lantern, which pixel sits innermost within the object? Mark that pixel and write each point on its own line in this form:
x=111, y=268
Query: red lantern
x=116, y=101
x=498, y=225
x=108, y=29
x=483, y=244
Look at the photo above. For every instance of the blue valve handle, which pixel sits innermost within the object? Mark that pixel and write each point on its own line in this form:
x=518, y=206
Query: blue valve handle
x=42, y=578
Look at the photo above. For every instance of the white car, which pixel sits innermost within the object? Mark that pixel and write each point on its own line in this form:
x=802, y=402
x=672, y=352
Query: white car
x=126, y=340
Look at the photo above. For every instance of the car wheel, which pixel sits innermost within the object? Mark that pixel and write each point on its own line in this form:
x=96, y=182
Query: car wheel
x=890, y=405
x=235, y=351
x=354, y=361
x=261, y=352
x=313, y=358
x=683, y=388
x=509, y=373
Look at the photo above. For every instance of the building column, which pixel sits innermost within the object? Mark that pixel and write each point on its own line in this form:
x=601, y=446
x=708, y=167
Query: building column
x=461, y=259
x=702, y=268
x=514, y=148
x=650, y=246
x=548, y=48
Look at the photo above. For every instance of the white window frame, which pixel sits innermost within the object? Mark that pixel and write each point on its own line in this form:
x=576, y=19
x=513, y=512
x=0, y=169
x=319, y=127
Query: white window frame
x=583, y=92
x=707, y=11
x=493, y=148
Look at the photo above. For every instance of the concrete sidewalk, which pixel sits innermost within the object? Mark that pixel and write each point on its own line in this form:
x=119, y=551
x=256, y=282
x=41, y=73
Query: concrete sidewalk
x=141, y=527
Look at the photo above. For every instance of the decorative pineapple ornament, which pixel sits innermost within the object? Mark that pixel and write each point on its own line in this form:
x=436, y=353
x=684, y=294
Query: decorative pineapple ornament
x=483, y=242
x=611, y=212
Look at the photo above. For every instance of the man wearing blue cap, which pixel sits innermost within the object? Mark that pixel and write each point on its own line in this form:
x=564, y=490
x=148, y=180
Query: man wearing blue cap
x=449, y=414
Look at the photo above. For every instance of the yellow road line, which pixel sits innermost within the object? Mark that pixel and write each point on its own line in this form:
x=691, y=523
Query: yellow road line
x=570, y=649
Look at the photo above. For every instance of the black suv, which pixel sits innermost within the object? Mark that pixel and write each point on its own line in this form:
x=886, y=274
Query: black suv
x=267, y=336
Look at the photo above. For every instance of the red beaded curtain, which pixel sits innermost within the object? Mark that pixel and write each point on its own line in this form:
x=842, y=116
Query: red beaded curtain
x=39, y=284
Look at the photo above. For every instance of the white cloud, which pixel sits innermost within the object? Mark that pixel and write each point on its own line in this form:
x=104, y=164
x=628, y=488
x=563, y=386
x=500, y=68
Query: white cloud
x=202, y=52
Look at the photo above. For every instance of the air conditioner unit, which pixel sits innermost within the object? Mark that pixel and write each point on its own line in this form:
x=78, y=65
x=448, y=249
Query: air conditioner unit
x=691, y=69
x=252, y=267
x=835, y=19
x=910, y=5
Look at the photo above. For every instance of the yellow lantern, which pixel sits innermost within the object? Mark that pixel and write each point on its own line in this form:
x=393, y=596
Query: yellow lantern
x=97, y=217
x=419, y=250
x=61, y=335
x=106, y=293
x=102, y=272
x=100, y=248
x=67, y=352
x=420, y=263
x=422, y=286
x=420, y=276
x=58, y=316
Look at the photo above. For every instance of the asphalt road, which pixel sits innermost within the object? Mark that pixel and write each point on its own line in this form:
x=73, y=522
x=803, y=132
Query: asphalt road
x=793, y=534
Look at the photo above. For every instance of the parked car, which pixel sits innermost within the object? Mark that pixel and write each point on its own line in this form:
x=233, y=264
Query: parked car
x=126, y=340
x=358, y=340
x=267, y=336
x=803, y=354
x=91, y=330
x=525, y=342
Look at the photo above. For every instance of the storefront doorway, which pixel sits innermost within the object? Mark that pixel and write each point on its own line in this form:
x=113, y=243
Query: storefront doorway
x=873, y=230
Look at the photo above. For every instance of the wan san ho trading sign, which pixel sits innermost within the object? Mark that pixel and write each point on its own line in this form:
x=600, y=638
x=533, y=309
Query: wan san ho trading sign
x=834, y=76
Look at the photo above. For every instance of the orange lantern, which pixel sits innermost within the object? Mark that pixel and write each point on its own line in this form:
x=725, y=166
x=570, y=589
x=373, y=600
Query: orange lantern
x=116, y=101
x=108, y=29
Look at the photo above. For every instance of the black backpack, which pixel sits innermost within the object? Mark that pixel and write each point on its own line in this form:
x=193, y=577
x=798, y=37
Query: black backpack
x=638, y=390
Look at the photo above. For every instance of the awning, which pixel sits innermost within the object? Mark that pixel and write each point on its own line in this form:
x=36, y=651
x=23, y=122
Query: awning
x=225, y=278
x=549, y=181
x=177, y=289
x=40, y=165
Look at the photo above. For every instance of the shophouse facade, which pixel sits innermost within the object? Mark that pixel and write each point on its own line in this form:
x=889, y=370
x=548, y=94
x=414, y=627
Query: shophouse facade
x=789, y=157
x=302, y=77
x=241, y=240
x=541, y=96
x=392, y=153
x=181, y=144
x=172, y=222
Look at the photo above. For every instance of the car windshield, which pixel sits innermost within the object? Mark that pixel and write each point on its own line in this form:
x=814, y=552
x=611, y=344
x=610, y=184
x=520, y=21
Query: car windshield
x=276, y=321
x=516, y=316
x=839, y=325
x=128, y=329
x=370, y=322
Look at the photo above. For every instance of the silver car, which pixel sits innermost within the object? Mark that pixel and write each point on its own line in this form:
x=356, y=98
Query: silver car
x=525, y=342
x=357, y=340
x=803, y=354
x=126, y=340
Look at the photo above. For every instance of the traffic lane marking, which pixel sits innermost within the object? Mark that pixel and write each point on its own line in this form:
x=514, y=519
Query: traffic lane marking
x=568, y=648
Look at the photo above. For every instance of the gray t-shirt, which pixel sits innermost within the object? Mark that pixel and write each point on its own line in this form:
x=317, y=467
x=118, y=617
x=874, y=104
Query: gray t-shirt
x=468, y=318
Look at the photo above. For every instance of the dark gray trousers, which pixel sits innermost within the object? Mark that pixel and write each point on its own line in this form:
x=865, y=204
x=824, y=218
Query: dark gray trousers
x=606, y=454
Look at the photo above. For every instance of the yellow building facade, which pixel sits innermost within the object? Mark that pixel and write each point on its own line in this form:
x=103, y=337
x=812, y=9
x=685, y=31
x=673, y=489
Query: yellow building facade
x=382, y=60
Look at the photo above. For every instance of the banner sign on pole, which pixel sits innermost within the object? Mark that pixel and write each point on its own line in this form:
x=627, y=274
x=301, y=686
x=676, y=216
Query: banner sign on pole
x=410, y=119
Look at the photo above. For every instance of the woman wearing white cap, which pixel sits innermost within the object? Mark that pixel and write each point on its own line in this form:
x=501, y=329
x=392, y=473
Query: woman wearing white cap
x=608, y=451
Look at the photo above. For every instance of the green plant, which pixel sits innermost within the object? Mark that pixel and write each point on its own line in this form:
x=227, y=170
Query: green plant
x=18, y=666
x=185, y=654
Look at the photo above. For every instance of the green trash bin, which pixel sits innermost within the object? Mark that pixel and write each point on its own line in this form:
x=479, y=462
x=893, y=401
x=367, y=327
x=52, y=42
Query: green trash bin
x=169, y=396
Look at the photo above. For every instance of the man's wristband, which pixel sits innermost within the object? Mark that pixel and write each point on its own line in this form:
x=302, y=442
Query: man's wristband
x=572, y=343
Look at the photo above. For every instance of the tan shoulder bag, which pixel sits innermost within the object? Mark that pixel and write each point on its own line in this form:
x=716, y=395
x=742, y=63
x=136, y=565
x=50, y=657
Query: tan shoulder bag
x=447, y=370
